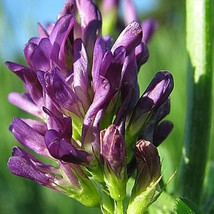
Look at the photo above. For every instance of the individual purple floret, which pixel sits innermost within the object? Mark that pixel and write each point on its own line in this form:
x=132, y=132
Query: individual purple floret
x=25, y=165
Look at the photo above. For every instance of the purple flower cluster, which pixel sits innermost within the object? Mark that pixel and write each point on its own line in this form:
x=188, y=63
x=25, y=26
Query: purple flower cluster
x=83, y=89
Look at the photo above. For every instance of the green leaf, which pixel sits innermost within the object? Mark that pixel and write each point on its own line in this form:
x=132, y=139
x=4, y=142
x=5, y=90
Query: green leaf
x=183, y=205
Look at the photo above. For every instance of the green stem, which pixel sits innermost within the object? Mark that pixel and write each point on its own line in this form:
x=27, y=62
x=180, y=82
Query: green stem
x=199, y=88
x=118, y=207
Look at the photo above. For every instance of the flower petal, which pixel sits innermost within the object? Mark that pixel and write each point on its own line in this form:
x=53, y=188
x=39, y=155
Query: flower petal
x=80, y=67
x=161, y=132
x=63, y=150
x=28, y=50
x=29, y=137
x=38, y=126
x=24, y=102
x=61, y=124
x=98, y=104
x=25, y=165
x=130, y=37
x=149, y=26
x=129, y=88
x=159, y=89
x=58, y=90
x=58, y=38
x=130, y=12
x=42, y=32
x=40, y=57
x=102, y=58
x=142, y=54
x=99, y=51
x=90, y=22
x=29, y=78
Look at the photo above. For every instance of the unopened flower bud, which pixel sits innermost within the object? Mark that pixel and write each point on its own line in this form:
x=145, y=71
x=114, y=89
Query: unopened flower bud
x=161, y=132
x=113, y=155
x=148, y=174
x=156, y=131
x=130, y=37
x=155, y=95
x=148, y=164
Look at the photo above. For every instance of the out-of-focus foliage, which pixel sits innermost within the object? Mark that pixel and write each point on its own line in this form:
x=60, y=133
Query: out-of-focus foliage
x=185, y=206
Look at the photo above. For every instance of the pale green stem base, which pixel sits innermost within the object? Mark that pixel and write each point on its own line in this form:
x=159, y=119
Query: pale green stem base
x=118, y=207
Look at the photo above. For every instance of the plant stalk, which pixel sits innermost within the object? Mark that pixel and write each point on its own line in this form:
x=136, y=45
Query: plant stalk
x=199, y=93
x=118, y=207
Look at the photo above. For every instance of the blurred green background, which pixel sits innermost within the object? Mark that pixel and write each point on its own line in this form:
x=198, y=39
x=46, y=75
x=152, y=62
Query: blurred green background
x=167, y=52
